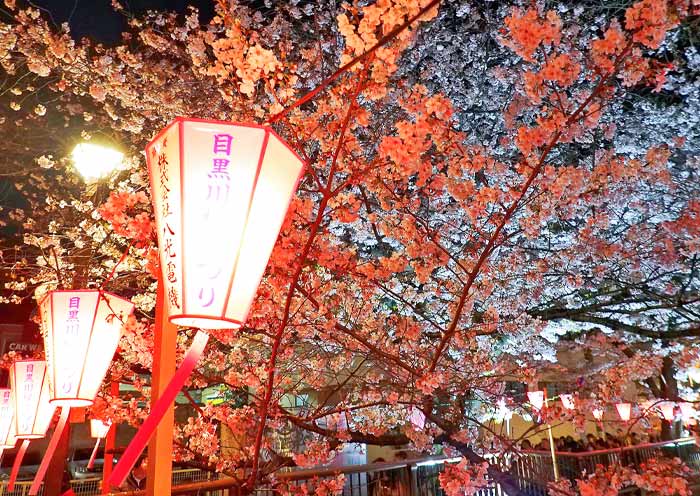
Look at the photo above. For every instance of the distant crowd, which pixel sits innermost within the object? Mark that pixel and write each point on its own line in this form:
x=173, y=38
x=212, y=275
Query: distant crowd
x=591, y=442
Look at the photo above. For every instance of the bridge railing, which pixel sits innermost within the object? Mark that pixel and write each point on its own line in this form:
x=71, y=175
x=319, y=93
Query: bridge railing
x=532, y=470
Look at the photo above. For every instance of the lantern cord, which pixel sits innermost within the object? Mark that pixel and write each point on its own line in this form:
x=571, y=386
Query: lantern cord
x=93, y=455
x=17, y=464
x=326, y=82
x=55, y=437
x=114, y=269
x=158, y=410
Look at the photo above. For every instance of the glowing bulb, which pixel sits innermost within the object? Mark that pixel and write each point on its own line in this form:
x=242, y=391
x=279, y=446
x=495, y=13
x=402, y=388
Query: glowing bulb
x=95, y=161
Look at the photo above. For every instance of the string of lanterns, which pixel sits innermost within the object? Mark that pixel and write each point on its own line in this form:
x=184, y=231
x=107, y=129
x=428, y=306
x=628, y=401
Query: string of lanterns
x=204, y=175
x=667, y=410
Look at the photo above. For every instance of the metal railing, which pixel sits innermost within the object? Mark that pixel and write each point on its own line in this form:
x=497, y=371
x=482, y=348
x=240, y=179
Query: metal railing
x=92, y=486
x=532, y=470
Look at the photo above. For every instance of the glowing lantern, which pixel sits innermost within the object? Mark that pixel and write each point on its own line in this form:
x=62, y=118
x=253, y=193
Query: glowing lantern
x=81, y=330
x=668, y=411
x=598, y=413
x=417, y=418
x=220, y=193
x=536, y=399
x=567, y=401
x=98, y=430
x=30, y=391
x=7, y=420
x=624, y=410
x=687, y=411
x=504, y=413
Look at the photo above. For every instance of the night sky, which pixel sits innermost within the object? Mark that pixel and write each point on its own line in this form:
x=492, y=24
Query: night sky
x=97, y=20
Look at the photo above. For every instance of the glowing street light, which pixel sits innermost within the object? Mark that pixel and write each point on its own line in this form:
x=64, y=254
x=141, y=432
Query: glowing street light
x=95, y=161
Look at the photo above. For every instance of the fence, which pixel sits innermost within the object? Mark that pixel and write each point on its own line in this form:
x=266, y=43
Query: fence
x=91, y=486
x=419, y=477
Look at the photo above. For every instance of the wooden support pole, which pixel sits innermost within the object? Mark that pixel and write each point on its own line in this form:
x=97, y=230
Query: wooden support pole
x=160, y=448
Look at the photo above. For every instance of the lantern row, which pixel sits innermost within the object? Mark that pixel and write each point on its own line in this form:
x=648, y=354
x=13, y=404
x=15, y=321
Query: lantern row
x=668, y=410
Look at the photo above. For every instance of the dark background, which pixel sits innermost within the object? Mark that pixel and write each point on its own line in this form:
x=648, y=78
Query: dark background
x=97, y=20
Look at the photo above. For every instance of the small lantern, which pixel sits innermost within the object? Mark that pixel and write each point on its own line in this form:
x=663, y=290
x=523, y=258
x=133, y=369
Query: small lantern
x=30, y=391
x=624, y=410
x=220, y=193
x=687, y=411
x=567, y=401
x=598, y=413
x=504, y=413
x=668, y=412
x=8, y=439
x=81, y=330
x=536, y=399
x=99, y=429
x=417, y=418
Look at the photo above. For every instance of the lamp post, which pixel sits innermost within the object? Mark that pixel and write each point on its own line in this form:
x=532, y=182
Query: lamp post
x=93, y=161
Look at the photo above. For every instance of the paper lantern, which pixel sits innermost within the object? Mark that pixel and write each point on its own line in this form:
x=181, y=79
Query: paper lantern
x=504, y=413
x=30, y=392
x=536, y=399
x=624, y=410
x=668, y=411
x=220, y=194
x=567, y=401
x=417, y=418
x=687, y=411
x=99, y=429
x=598, y=413
x=8, y=438
x=81, y=330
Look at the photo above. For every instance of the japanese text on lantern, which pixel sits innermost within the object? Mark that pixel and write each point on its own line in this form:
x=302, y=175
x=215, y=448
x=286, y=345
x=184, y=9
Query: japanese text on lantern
x=27, y=391
x=170, y=262
x=217, y=196
x=70, y=340
x=5, y=404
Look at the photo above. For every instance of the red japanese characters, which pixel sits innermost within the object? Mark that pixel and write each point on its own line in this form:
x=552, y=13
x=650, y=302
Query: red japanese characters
x=30, y=390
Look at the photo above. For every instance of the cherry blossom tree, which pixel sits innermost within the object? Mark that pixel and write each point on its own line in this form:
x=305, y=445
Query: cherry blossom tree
x=435, y=248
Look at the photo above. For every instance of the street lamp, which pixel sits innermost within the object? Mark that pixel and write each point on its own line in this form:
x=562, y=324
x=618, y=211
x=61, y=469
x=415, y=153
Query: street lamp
x=94, y=161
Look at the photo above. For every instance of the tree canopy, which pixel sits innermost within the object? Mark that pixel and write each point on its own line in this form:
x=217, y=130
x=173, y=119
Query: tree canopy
x=488, y=186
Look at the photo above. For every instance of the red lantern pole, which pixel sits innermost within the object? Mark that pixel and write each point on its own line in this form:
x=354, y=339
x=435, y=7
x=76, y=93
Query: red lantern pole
x=160, y=462
x=18, y=463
